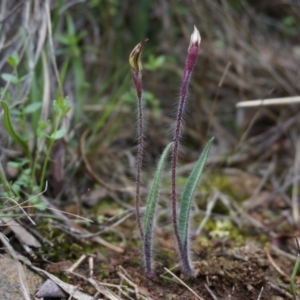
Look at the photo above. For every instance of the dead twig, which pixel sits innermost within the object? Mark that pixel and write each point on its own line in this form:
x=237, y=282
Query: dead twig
x=125, y=276
x=273, y=263
x=210, y=205
x=91, y=172
x=183, y=283
x=295, y=190
x=268, y=102
x=210, y=292
x=210, y=119
x=77, y=263
x=261, y=291
x=280, y=290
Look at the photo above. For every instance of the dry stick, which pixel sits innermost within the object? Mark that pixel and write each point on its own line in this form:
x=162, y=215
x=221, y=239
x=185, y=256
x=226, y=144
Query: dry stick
x=77, y=263
x=91, y=266
x=189, y=66
x=296, y=171
x=261, y=291
x=268, y=102
x=106, y=292
x=52, y=53
x=210, y=205
x=46, y=89
x=284, y=254
x=210, y=292
x=12, y=11
x=262, y=182
x=136, y=291
x=280, y=290
x=216, y=97
x=36, y=234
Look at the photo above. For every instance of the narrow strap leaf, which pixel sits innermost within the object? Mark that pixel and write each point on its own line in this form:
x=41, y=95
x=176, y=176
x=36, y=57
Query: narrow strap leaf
x=11, y=131
x=187, y=196
x=150, y=210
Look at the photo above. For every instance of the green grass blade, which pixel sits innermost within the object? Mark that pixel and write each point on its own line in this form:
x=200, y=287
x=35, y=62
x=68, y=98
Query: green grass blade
x=187, y=196
x=294, y=273
x=11, y=131
x=150, y=211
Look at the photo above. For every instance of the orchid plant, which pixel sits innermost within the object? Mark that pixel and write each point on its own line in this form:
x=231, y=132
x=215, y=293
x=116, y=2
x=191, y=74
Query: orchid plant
x=180, y=222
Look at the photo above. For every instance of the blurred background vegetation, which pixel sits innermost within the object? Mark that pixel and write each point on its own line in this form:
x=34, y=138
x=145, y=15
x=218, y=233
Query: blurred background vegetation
x=254, y=44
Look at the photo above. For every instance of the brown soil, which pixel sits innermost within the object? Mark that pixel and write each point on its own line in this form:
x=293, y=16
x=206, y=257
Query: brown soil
x=229, y=272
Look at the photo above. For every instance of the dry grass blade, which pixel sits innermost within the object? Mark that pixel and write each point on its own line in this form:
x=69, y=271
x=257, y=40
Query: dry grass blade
x=276, y=267
x=183, y=283
x=210, y=205
x=19, y=205
x=46, y=91
x=296, y=172
x=68, y=288
x=106, y=292
x=124, y=277
x=212, y=111
x=138, y=291
x=97, y=239
x=91, y=172
x=267, y=102
x=52, y=52
x=21, y=233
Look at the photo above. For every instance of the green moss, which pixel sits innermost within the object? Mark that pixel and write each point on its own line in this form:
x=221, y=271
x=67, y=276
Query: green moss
x=136, y=261
x=65, y=247
x=104, y=272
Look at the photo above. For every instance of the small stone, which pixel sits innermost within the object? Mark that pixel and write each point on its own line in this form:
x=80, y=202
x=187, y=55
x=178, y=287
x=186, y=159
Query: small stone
x=50, y=290
x=10, y=285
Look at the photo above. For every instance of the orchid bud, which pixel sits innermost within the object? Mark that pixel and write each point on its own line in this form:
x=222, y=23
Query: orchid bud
x=135, y=56
x=195, y=38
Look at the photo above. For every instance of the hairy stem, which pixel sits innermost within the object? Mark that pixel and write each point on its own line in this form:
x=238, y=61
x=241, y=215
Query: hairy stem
x=137, y=79
x=136, y=72
x=189, y=66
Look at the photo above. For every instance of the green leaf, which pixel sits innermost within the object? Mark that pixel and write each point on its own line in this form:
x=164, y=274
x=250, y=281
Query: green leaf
x=187, y=196
x=40, y=205
x=58, y=134
x=151, y=206
x=14, y=164
x=13, y=60
x=294, y=273
x=32, y=107
x=61, y=106
x=10, y=78
x=11, y=131
x=25, y=77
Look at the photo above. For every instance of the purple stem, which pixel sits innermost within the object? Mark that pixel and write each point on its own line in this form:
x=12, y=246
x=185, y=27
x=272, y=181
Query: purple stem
x=189, y=66
x=137, y=80
x=148, y=255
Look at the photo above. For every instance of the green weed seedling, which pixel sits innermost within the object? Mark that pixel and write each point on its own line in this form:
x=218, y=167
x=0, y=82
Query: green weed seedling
x=181, y=222
x=295, y=270
x=48, y=132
